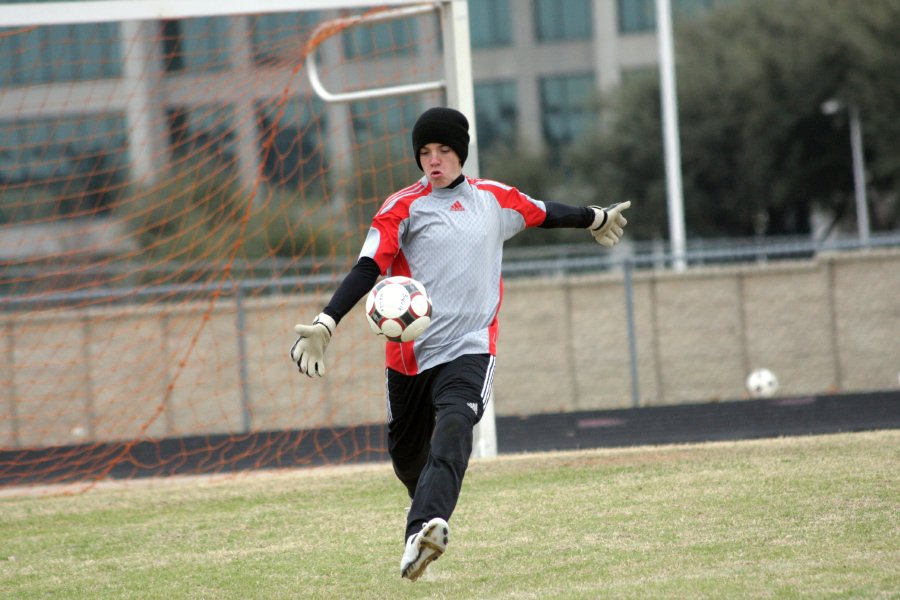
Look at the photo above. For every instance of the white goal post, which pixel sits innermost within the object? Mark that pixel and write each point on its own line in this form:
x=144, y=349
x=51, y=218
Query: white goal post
x=133, y=92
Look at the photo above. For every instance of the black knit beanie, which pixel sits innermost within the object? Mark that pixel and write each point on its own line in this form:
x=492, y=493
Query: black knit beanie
x=443, y=126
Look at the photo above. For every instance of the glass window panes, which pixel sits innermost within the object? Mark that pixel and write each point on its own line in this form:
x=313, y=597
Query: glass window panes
x=566, y=107
x=79, y=161
x=394, y=37
x=689, y=9
x=59, y=53
x=291, y=141
x=496, y=113
x=384, y=123
x=563, y=19
x=202, y=131
x=490, y=23
x=199, y=44
x=281, y=35
x=382, y=154
x=637, y=16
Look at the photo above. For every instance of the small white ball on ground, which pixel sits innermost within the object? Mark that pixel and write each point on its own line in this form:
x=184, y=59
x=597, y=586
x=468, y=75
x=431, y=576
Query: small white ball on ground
x=762, y=383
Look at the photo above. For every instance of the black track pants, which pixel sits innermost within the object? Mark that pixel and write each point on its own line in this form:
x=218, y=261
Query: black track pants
x=430, y=421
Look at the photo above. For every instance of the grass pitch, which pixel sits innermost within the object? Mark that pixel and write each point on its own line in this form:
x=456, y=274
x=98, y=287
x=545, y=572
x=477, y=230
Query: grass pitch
x=811, y=517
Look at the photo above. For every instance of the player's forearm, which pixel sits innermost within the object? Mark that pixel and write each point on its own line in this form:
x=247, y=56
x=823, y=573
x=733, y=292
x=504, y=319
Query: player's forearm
x=565, y=215
x=355, y=285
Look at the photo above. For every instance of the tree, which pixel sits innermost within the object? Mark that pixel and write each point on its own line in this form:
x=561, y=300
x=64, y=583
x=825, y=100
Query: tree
x=758, y=154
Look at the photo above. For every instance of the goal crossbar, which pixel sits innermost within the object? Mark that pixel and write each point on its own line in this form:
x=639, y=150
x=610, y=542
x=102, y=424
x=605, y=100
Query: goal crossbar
x=109, y=11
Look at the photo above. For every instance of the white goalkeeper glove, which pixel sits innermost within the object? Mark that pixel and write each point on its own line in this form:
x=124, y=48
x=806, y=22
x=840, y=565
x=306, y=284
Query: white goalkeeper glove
x=309, y=349
x=608, y=224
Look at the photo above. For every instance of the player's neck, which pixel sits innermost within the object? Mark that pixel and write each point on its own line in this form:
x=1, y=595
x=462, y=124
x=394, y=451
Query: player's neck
x=456, y=182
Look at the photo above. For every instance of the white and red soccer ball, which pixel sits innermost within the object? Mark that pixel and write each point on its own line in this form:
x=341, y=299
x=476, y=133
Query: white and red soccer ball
x=398, y=308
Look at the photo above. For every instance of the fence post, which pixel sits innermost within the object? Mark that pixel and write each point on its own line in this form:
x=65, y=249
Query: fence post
x=632, y=335
x=246, y=415
x=9, y=365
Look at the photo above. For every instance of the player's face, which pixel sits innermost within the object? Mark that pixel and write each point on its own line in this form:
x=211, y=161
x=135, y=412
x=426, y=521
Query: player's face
x=440, y=163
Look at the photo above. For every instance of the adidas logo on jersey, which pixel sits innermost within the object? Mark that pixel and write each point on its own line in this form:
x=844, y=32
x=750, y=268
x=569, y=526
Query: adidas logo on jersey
x=457, y=206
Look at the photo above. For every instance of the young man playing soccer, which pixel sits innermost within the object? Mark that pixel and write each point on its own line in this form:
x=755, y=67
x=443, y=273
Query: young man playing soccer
x=447, y=231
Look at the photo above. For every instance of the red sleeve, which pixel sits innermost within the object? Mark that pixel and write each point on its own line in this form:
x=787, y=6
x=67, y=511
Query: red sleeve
x=388, y=227
x=387, y=223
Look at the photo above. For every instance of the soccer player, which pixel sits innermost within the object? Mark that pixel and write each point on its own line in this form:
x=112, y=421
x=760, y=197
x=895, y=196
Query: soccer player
x=447, y=231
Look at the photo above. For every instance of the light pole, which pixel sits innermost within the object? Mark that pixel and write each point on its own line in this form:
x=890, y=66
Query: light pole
x=671, y=137
x=833, y=106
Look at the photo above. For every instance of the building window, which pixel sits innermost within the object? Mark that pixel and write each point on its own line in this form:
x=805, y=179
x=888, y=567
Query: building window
x=496, y=113
x=393, y=37
x=490, y=23
x=281, y=36
x=380, y=130
x=202, y=131
x=380, y=119
x=637, y=16
x=76, y=165
x=291, y=142
x=59, y=53
x=558, y=20
x=199, y=44
x=690, y=9
x=566, y=109
x=382, y=155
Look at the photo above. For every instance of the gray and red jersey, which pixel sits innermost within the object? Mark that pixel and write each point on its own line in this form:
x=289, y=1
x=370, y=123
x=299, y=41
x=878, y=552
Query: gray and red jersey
x=451, y=240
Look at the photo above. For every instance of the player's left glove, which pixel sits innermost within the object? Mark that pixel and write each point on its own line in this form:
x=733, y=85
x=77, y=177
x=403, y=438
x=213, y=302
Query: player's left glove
x=309, y=349
x=609, y=224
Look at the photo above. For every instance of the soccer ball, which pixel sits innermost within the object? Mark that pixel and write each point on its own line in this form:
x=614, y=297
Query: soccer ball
x=398, y=308
x=762, y=383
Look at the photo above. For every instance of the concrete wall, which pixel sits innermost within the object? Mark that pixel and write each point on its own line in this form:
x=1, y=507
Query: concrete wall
x=163, y=370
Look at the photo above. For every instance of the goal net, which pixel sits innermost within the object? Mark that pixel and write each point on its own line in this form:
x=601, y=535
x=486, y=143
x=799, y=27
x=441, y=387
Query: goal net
x=175, y=194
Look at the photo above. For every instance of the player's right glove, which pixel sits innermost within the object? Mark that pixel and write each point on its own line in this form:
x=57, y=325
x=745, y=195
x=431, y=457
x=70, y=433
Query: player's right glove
x=609, y=223
x=309, y=349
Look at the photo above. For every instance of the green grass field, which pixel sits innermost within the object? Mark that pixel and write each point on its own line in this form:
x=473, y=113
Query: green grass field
x=811, y=517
